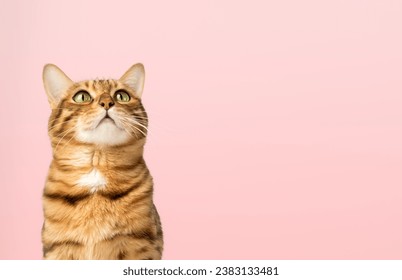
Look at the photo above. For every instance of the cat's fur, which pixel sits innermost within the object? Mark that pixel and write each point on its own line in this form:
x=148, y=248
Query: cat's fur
x=97, y=199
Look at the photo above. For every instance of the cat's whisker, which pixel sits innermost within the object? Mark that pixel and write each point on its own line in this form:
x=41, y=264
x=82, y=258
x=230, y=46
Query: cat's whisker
x=130, y=133
x=133, y=118
x=142, y=124
x=140, y=117
x=137, y=122
x=142, y=132
x=136, y=128
x=139, y=114
x=129, y=119
x=66, y=132
x=135, y=133
x=134, y=123
x=63, y=132
x=54, y=126
x=129, y=126
x=133, y=129
x=65, y=145
x=141, y=120
x=154, y=123
x=146, y=128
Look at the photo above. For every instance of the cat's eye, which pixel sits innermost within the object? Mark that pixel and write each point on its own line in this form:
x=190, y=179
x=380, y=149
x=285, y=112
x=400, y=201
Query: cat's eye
x=82, y=97
x=122, y=96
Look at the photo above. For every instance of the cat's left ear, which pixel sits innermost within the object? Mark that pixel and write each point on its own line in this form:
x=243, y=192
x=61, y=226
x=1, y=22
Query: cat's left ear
x=134, y=78
x=56, y=84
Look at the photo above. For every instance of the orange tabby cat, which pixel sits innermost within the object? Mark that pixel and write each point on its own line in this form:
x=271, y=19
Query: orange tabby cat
x=98, y=195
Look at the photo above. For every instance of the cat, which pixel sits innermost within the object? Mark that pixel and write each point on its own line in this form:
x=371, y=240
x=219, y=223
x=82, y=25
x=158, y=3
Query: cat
x=97, y=200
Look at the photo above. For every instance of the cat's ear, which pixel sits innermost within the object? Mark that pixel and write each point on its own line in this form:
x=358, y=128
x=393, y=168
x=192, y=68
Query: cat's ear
x=134, y=78
x=56, y=84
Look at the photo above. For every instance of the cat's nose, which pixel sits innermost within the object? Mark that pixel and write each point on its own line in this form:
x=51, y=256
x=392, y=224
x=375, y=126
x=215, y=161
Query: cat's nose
x=106, y=101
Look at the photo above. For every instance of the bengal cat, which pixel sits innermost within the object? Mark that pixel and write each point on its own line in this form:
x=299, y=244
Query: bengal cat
x=97, y=198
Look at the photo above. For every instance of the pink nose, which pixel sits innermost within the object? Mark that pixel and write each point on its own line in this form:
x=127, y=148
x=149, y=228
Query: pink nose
x=106, y=101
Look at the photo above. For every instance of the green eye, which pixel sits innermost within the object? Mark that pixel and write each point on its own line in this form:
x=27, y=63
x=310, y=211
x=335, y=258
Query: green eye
x=82, y=97
x=122, y=96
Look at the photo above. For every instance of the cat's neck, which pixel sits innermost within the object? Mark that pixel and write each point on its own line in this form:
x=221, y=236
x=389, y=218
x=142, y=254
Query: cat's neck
x=86, y=155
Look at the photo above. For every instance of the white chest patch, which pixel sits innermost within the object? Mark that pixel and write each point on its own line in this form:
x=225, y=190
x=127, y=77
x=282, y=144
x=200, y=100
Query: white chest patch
x=92, y=180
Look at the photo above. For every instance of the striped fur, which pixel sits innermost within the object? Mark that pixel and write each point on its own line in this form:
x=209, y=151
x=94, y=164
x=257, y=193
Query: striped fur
x=97, y=199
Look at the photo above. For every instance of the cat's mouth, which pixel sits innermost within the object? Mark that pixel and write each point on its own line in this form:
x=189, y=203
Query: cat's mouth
x=107, y=119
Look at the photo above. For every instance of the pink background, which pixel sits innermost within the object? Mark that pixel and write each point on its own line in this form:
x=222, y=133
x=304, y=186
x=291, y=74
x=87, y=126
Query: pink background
x=275, y=126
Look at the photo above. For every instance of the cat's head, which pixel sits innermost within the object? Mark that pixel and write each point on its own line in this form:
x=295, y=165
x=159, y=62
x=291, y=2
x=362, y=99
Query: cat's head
x=100, y=112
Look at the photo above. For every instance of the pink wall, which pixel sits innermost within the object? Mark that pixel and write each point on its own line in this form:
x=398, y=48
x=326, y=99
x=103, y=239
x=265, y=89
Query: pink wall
x=276, y=126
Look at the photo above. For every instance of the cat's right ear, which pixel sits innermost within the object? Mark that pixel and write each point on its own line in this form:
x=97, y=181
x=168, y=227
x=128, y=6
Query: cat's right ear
x=56, y=84
x=134, y=78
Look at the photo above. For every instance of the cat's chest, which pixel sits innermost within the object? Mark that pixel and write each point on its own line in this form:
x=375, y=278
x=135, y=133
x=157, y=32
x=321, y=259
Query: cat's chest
x=92, y=180
x=99, y=169
x=93, y=175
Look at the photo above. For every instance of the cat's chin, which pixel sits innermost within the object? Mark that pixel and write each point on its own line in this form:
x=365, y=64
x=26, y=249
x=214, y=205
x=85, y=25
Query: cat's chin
x=106, y=133
x=106, y=121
